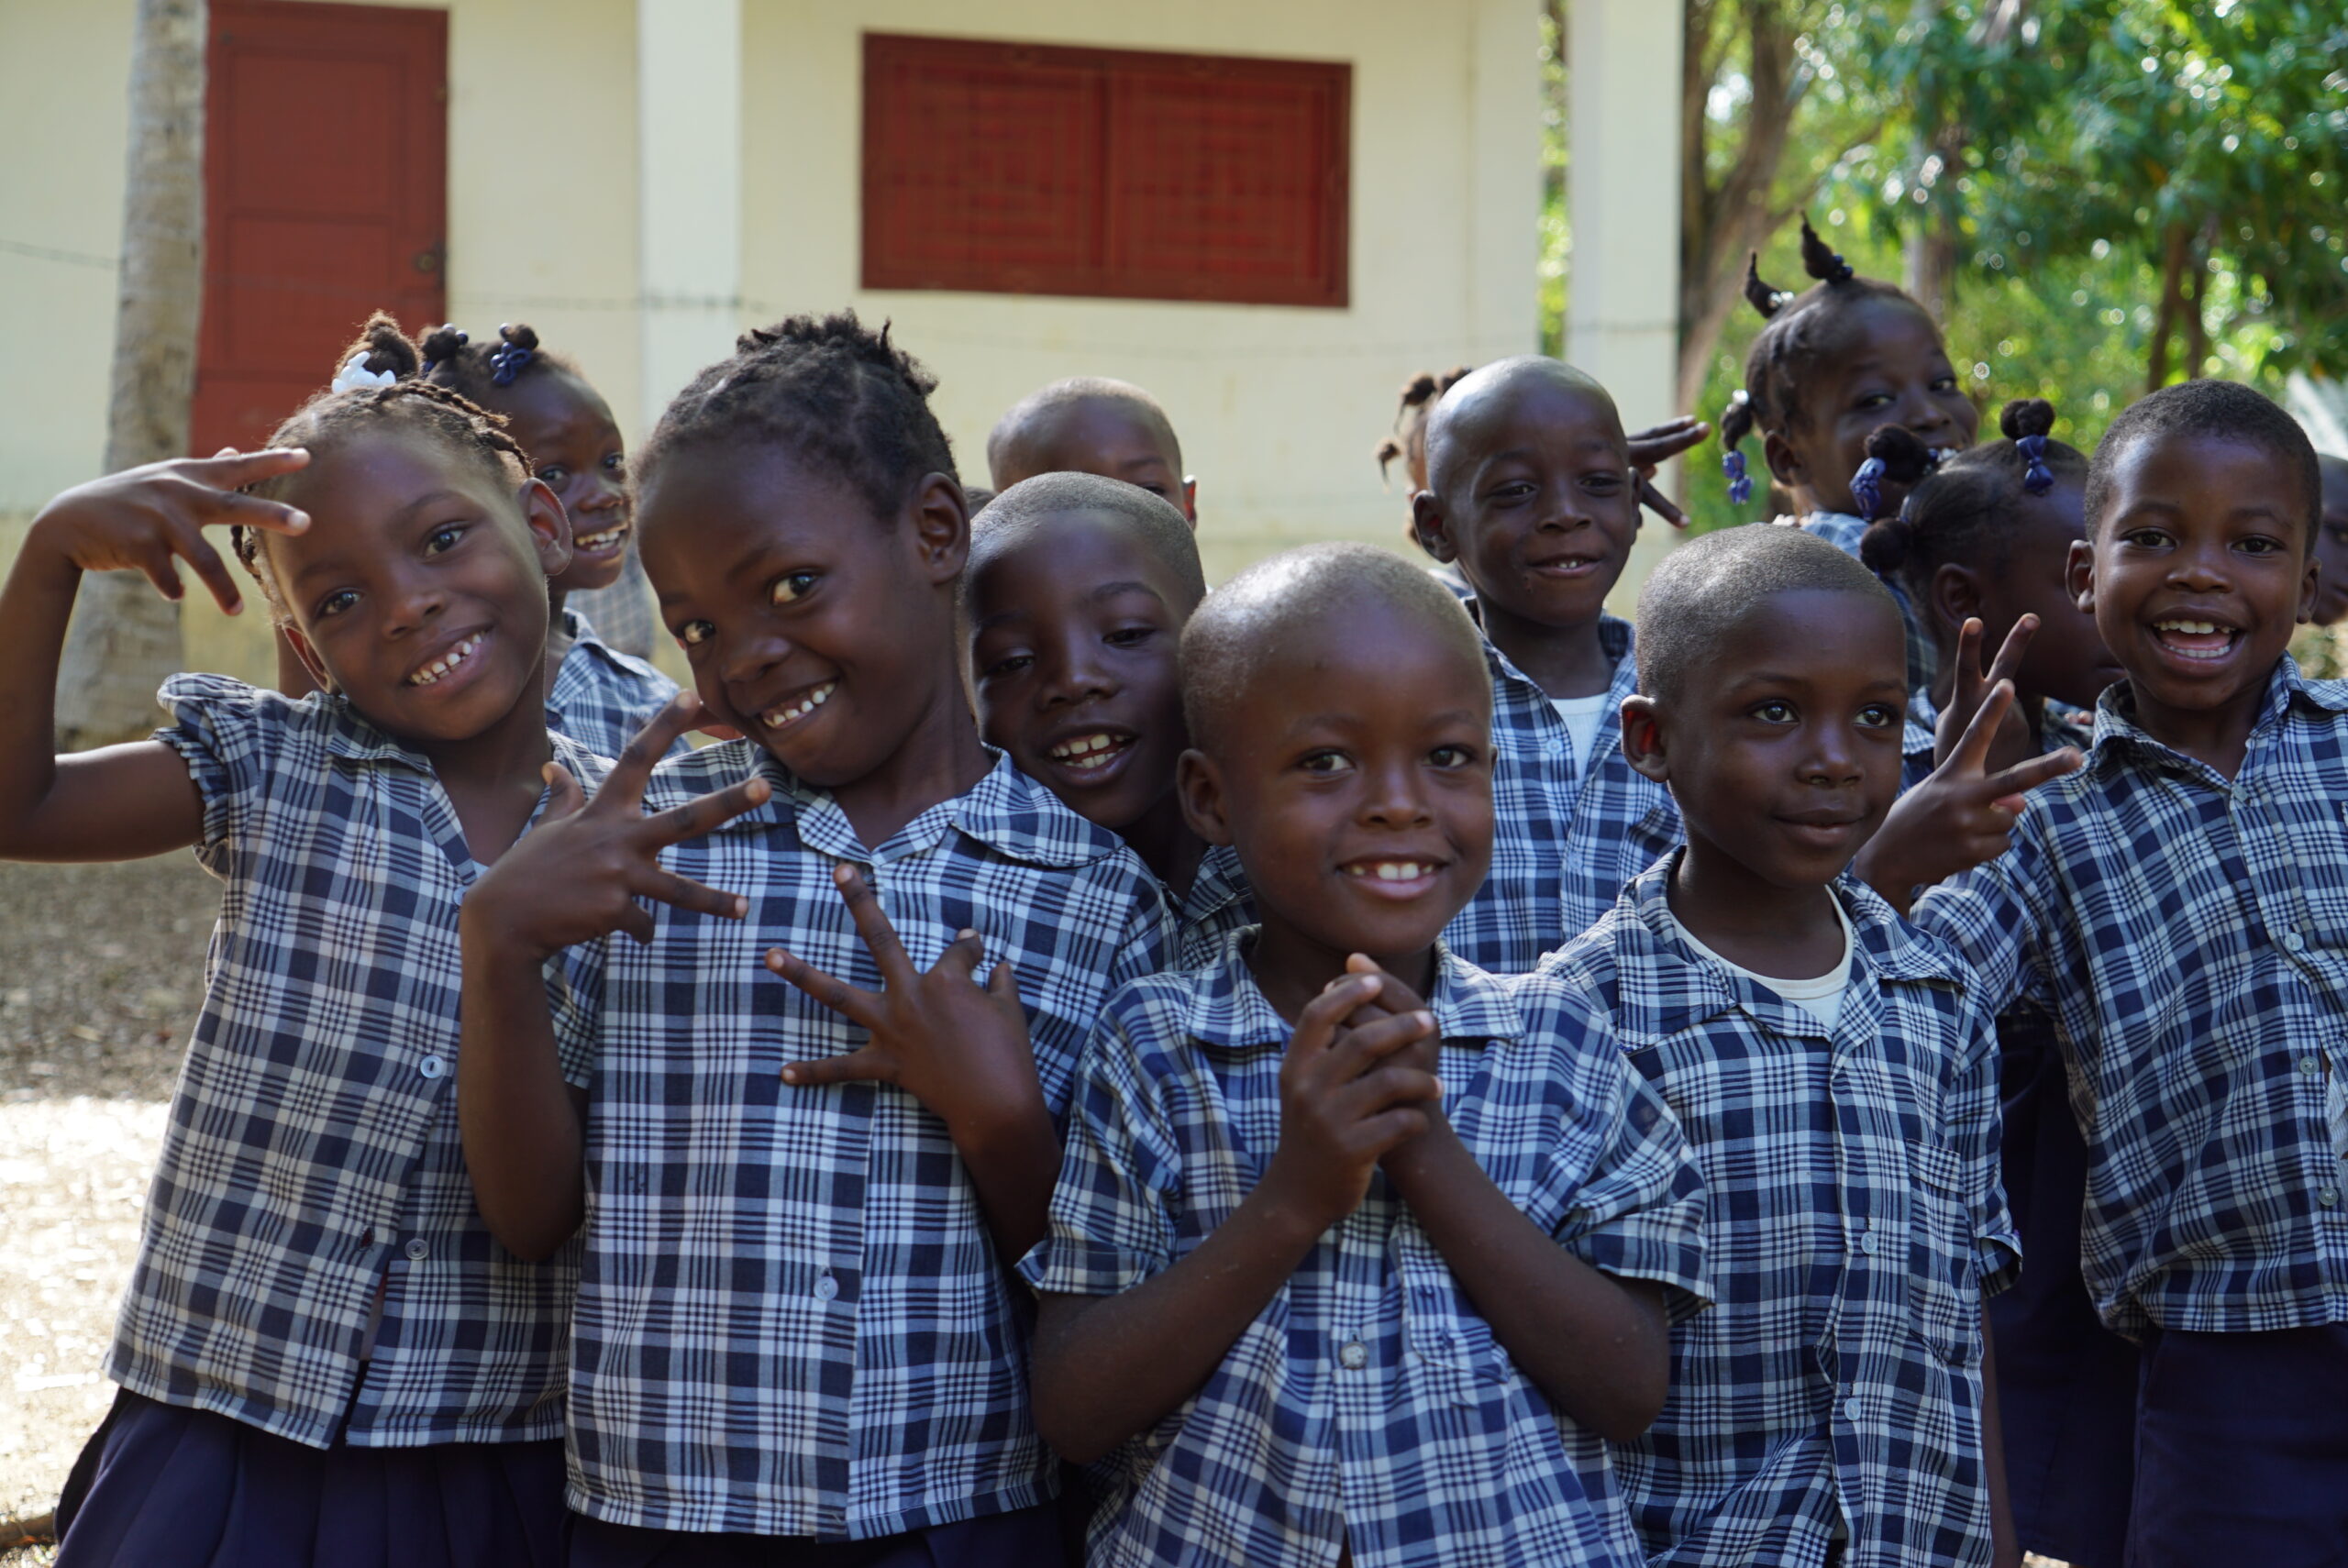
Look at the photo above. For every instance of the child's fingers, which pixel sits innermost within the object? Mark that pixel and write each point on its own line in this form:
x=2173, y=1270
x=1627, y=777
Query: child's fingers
x=1003, y=984
x=625, y=784
x=1386, y=1087
x=703, y=812
x=2015, y=782
x=233, y=470
x=1969, y=658
x=1316, y=1026
x=1654, y=501
x=687, y=894
x=637, y=923
x=155, y=564
x=863, y=1065
x=1392, y=993
x=1357, y=1051
x=208, y=565
x=1660, y=443
x=872, y=925
x=1971, y=754
x=860, y=1007
x=2017, y=643
x=961, y=959
x=1390, y=1130
x=564, y=797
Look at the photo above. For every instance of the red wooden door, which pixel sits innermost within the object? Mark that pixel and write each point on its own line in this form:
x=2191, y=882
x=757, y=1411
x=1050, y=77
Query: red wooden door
x=325, y=181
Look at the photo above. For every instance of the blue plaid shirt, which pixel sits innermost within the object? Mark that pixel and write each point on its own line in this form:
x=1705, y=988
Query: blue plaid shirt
x=1369, y=1404
x=600, y=696
x=2192, y=934
x=1856, y=1219
x=1566, y=832
x=627, y=610
x=1219, y=903
x=791, y=1320
x=312, y=1153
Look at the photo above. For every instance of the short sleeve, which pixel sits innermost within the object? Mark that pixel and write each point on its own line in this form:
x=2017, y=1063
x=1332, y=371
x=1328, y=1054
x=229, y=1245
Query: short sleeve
x=574, y=979
x=1111, y=1225
x=1992, y=916
x=1975, y=1132
x=232, y=738
x=1638, y=1212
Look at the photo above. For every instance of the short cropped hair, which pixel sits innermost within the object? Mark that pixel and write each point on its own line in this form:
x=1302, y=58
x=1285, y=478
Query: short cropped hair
x=1458, y=400
x=2226, y=410
x=1238, y=630
x=1046, y=403
x=1011, y=518
x=1702, y=589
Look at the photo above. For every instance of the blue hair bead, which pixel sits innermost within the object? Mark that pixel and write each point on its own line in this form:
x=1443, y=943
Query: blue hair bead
x=2037, y=478
x=506, y=362
x=1866, y=488
x=1740, y=483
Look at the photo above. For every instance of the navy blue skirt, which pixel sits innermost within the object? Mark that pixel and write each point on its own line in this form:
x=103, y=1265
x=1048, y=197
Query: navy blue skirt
x=2067, y=1385
x=1025, y=1538
x=173, y=1487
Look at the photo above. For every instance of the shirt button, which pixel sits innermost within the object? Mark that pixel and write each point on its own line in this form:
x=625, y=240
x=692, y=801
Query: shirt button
x=1851, y=1410
x=826, y=1288
x=2293, y=941
x=432, y=1066
x=1868, y=1241
x=419, y=1249
x=2326, y=1196
x=1355, y=1356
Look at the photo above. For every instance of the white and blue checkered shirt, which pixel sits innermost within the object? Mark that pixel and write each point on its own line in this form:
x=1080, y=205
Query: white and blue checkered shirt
x=1369, y=1405
x=312, y=1152
x=1856, y=1219
x=1567, y=832
x=1219, y=902
x=791, y=1320
x=2192, y=933
x=602, y=696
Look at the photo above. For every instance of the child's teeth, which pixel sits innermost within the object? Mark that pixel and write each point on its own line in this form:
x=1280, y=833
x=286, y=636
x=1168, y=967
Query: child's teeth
x=775, y=718
x=1396, y=870
x=603, y=540
x=1085, y=751
x=446, y=662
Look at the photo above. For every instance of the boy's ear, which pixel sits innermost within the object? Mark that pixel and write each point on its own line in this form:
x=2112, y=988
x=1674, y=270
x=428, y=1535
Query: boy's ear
x=2078, y=574
x=941, y=527
x=1428, y=524
x=2310, y=583
x=1191, y=499
x=1198, y=784
x=1785, y=464
x=308, y=654
x=549, y=527
x=1954, y=597
x=1642, y=739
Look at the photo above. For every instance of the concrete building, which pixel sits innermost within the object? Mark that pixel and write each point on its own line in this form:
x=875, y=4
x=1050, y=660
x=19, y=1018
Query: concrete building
x=641, y=179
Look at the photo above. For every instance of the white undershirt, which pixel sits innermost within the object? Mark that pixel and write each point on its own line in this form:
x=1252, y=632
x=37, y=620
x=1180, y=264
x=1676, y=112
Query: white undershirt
x=1581, y=715
x=1821, y=997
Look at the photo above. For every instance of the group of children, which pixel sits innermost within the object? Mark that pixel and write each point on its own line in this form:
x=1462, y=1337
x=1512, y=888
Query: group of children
x=1369, y=1065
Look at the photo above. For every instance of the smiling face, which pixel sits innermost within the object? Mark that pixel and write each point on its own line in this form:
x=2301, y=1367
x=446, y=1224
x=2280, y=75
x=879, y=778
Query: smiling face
x=1532, y=494
x=2196, y=571
x=420, y=588
x=1073, y=635
x=2331, y=543
x=1355, y=780
x=1886, y=366
x=575, y=448
x=821, y=632
x=1783, y=749
x=1103, y=436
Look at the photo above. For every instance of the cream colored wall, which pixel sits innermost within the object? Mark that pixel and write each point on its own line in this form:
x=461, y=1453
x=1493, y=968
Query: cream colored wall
x=541, y=223
x=1277, y=408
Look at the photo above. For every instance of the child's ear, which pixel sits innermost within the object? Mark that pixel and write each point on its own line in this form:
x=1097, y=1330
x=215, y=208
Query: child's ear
x=549, y=527
x=1198, y=784
x=2078, y=574
x=1642, y=739
x=1954, y=596
x=2311, y=582
x=941, y=528
x=1191, y=499
x=1428, y=524
x=308, y=654
x=1786, y=465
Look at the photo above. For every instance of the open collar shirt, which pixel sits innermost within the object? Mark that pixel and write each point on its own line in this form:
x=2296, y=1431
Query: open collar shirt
x=601, y=697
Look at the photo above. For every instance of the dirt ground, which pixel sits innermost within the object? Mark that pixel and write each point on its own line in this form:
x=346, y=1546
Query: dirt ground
x=100, y=969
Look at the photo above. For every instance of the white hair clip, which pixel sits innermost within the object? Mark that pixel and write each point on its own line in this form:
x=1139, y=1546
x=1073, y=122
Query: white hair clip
x=356, y=376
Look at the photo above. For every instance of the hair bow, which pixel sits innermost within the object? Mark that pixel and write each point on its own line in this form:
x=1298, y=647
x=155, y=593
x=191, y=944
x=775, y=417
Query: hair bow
x=1740, y=483
x=1866, y=488
x=506, y=362
x=356, y=377
x=2037, y=478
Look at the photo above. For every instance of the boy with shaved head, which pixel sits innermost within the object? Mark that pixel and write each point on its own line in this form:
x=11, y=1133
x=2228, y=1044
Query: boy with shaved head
x=1091, y=424
x=1357, y=1250
x=1531, y=493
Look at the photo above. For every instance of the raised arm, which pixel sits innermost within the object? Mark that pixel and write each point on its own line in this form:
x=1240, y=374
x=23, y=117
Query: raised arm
x=119, y=802
x=1107, y=1367
x=574, y=877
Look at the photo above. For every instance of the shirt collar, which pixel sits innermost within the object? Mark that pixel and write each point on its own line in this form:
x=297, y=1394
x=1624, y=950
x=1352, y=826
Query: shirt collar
x=2118, y=736
x=1665, y=988
x=353, y=738
x=1615, y=637
x=1229, y=1010
x=1006, y=811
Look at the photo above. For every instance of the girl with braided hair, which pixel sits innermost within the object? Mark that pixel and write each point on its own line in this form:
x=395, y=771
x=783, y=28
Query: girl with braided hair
x=600, y=690
x=325, y=1356
x=1836, y=363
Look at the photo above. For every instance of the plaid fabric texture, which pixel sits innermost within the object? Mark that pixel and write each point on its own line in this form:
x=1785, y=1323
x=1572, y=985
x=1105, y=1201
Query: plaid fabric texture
x=2192, y=934
x=1565, y=836
x=627, y=611
x=600, y=696
x=791, y=1320
x=1855, y=1221
x=1369, y=1404
x=312, y=1151
x=1219, y=903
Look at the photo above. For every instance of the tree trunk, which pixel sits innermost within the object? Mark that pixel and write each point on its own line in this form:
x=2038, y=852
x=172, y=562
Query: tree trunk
x=2175, y=251
x=126, y=637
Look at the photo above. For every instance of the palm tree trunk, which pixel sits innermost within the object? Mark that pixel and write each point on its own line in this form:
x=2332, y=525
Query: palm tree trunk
x=126, y=637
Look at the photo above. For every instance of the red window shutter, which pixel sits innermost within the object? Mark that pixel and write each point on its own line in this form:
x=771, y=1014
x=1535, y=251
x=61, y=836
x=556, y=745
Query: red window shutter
x=1022, y=168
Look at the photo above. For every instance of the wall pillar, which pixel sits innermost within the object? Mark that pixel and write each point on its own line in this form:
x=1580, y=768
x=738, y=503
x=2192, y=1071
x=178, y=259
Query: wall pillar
x=1622, y=189
x=689, y=160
